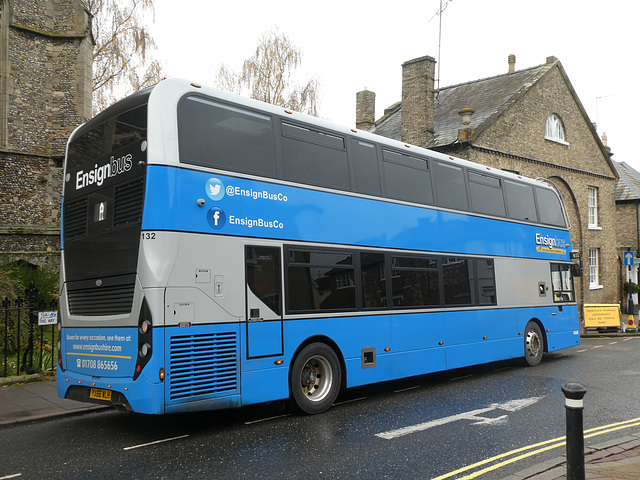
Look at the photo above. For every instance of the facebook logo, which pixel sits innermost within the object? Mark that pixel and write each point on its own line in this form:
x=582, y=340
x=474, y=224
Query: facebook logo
x=216, y=218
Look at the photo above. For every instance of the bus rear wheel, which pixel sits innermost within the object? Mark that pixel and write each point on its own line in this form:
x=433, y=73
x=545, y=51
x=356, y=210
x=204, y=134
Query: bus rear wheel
x=315, y=378
x=533, y=344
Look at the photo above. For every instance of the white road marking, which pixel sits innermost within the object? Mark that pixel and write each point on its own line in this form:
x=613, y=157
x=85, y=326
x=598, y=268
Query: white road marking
x=267, y=419
x=350, y=401
x=475, y=415
x=460, y=378
x=406, y=389
x=11, y=476
x=156, y=442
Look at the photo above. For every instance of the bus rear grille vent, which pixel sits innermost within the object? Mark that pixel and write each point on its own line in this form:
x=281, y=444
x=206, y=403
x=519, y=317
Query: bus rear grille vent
x=106, y=300
x=75, y=219
x=203, y=364
x=129, y=200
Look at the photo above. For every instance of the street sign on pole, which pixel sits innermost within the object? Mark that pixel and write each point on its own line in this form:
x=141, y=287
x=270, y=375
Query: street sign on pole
x=628, y=259
x=47, y=318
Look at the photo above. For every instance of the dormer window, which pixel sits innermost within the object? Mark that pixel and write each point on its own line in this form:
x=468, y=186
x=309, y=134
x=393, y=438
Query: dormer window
x=555, y=129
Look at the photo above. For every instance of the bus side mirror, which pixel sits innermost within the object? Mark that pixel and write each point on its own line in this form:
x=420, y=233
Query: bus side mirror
x=576, y=269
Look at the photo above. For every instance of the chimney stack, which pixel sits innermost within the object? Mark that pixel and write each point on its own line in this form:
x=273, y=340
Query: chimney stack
x=365, y=109
x=606, y=147
x=512, y=63
x=418, y=107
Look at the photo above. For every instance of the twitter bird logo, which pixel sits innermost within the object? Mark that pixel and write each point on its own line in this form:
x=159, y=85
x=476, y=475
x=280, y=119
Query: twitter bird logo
x=215, y=189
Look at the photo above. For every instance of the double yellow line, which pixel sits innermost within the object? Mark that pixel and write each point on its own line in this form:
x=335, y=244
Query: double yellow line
x=532, y=450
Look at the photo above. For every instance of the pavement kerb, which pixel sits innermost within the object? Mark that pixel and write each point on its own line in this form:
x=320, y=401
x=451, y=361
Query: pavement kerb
x=556, y=468
x=543, y=471
x=609, y=334
x=16, y=379
x=48, y=409
x=50, y=415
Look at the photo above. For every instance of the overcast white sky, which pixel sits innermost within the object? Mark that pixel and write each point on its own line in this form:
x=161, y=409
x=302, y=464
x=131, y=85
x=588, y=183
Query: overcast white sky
x=350, y=45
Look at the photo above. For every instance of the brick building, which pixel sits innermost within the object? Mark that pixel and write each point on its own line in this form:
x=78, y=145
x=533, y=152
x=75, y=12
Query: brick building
x=628, y=221
x=45, y=92
x=530, y=122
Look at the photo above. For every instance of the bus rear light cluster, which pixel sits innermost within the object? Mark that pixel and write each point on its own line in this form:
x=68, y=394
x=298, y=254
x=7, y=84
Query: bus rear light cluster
x=59, y=350
x=145, y=339
x=144, y=326
x=145, y=349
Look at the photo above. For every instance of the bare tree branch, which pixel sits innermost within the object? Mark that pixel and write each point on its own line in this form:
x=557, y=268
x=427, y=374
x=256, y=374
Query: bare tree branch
x=269, y=75
x=122, y=60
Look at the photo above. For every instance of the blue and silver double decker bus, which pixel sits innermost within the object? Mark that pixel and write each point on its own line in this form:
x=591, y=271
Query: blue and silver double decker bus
x=220, y=252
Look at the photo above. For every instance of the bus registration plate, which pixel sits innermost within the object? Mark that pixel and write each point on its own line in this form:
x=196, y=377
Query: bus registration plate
x=100, y=394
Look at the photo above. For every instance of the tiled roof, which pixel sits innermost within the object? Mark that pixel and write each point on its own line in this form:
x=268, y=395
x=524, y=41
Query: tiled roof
x=389, y=125
x=488, y=97
x=627, y=184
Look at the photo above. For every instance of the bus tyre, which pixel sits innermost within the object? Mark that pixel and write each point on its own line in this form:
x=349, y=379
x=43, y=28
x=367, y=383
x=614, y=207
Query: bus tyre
x=533, y=344
x=315, y=378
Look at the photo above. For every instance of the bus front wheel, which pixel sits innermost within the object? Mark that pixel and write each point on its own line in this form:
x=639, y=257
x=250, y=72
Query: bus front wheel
x=315, y=378
x=533, y=344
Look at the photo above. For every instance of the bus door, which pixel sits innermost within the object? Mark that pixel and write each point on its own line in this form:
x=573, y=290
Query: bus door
x=264, y=301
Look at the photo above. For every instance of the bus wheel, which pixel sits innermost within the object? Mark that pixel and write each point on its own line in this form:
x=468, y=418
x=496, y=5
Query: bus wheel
x=315, y=378
x=533, y=344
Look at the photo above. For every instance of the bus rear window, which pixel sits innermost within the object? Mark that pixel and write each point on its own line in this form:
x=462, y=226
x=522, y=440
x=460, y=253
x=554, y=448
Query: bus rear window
x=225, y=137
x=108, y=136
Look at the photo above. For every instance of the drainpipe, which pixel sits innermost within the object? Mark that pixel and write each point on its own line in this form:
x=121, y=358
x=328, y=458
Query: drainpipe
x=637, y=227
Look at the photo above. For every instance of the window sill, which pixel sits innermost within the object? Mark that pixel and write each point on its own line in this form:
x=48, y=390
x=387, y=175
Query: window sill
x=556, y=140
x=595, y=287
x=593, y=227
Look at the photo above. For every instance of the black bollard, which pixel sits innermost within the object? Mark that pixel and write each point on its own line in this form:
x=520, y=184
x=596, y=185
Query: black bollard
x=574, y=406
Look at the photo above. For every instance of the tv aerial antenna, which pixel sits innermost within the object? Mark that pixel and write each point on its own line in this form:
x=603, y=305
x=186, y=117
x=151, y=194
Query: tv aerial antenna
x=439, y=15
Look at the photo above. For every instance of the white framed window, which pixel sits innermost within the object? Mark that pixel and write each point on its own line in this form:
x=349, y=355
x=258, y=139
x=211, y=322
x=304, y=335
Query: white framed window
x=594, y=268
x=555, y=129
x=593, y=207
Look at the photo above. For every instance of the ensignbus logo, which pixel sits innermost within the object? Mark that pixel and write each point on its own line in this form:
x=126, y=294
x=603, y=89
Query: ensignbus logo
x=114, y=167
x=550, y=242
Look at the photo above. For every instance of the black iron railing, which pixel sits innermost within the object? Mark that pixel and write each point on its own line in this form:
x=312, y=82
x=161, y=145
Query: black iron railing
x=28, y=345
